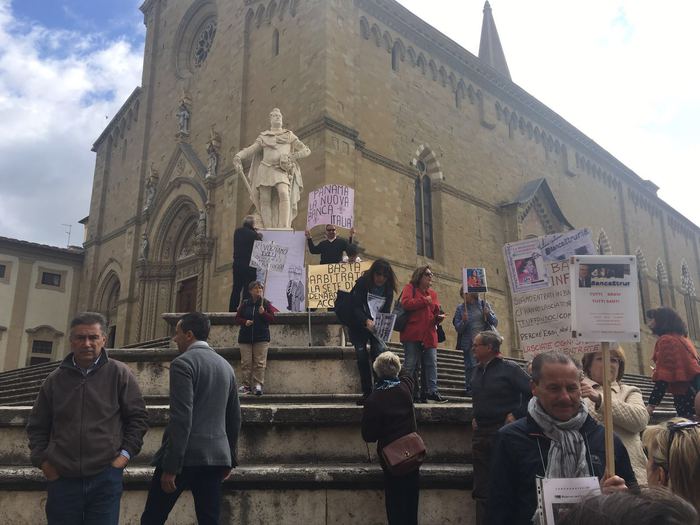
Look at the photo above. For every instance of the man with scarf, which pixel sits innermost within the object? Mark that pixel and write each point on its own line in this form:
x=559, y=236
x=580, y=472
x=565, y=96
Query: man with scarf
x=557, y=439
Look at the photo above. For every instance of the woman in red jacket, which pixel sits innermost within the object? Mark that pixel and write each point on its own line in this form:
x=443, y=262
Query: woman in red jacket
x=676, y=362
x=419, y=337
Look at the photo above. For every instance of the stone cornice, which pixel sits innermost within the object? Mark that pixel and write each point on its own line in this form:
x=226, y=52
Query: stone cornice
x=476, y=201
x=116, y=118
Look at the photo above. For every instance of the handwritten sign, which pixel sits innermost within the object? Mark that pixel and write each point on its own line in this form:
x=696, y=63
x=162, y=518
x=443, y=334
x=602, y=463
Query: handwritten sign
x=269, y=255
x=326, y=279
x=331, y=204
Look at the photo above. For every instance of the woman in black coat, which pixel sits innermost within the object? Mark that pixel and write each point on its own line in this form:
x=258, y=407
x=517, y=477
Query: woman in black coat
x=388, y=415
x=373, y=291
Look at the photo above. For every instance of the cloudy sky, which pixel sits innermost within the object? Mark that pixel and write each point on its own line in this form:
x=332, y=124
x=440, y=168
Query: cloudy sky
x=619, y=70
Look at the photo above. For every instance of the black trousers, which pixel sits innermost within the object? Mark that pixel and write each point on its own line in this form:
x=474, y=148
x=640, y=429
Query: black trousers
x=242, y=277
x=205, y=484
x=401, y=498
x=483, y=440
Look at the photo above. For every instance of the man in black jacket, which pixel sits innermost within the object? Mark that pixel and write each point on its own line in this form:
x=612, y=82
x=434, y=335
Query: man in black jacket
x=243, y=274
x=557, y=439
x=500, y=392
x=332, y=248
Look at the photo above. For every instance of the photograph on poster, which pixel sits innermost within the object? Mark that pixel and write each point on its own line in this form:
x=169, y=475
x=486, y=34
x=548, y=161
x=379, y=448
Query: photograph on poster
x=525, y=265
x=604, y=298
x=474, y=280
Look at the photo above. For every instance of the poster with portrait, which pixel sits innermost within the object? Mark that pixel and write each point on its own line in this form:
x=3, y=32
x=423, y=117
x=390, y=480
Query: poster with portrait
x=542, y=316
x=604, y=298
x=525, y=265
x=331, y=204
x=474, y=280
x=286, y=289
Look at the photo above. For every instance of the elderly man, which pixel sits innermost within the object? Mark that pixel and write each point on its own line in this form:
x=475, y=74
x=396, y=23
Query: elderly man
x=200, y=442
x=275, y=176
x=557, y=439
x=87, y=422
x=500, y=392
x=243, y=240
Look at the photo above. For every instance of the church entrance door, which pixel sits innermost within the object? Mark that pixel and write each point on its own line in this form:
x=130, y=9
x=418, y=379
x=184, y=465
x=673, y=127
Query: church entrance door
x=186, y=300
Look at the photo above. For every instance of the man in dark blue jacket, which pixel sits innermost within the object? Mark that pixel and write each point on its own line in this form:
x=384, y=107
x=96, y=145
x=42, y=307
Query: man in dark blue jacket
x=557, y=439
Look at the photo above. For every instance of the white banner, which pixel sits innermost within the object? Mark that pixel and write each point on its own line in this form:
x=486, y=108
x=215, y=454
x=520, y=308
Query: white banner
x=604, y=292
x=383, y=325
x=286, y=289
x=543, y=315
x=268, y=255
x=331, y=204
x=525, y=265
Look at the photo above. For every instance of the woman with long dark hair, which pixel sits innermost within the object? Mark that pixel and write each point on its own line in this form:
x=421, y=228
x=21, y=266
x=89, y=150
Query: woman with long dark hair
x=676, y=366
x=373, y=292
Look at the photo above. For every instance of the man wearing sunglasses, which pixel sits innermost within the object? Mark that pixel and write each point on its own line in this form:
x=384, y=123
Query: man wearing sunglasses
x=331, y=249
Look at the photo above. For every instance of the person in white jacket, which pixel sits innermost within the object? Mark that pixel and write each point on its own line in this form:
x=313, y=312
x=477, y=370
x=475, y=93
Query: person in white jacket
x=630, y=416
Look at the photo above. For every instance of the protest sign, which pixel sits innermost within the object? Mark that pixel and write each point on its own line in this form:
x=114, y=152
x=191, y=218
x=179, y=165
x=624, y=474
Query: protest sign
x=326, y=279
x=286, y=289
x=383, y=325
x=542, y=316
x=525, y=265
x=604, y=298
x=268, y=255
x=474, y=280
x=331, y=204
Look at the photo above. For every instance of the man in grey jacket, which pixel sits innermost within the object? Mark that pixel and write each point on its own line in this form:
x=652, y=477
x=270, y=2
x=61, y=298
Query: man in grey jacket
x=200, y=442
x=87, y=422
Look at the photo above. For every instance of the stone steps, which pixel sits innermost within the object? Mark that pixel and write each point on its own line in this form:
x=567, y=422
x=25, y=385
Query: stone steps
x=286, y=494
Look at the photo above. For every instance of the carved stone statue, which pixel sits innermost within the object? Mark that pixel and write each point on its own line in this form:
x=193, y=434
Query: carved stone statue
x=151, y=184
x=201, y=231
x=274, y=179
x=212, y=161
x=183, y=118
x=143, y=256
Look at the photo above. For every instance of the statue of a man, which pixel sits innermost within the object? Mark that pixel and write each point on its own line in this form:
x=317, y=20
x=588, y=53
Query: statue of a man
x=274, y=180
x=183, y=119
x=143, y=256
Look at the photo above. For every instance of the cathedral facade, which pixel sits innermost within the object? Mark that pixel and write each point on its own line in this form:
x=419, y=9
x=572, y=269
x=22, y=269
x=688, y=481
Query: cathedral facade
x=449, y=159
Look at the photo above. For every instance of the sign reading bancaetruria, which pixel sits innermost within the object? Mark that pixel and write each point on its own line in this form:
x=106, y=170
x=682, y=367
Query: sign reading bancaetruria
x=326, y=279
x=331, y=204
x=604, y=298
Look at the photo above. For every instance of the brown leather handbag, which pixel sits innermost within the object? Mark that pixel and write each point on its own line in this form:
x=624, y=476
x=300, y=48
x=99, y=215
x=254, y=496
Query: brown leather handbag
x=404, y=454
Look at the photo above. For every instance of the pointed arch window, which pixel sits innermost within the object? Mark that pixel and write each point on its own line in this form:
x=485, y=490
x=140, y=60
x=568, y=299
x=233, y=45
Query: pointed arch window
x=275, y=43
x=660, y=280
x=424, y=212
x=689, y=301
x=395, y=58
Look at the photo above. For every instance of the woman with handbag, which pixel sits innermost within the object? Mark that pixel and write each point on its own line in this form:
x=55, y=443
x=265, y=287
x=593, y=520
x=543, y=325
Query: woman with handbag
x=676, y=362
x=419, y=336
x=373, y=292
x=471, y=317
x=387, y=417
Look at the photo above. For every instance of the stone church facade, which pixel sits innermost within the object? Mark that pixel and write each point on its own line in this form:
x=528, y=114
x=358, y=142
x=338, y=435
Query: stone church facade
x=449, y=159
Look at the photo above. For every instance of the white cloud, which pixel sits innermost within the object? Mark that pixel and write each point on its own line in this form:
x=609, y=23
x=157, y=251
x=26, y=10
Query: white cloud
x=56, y=88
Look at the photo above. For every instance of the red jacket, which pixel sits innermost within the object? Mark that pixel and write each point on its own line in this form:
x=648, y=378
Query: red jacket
x=422, y=320
x=676, y=362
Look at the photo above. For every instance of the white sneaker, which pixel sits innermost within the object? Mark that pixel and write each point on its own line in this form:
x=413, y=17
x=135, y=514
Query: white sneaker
x=258, y=390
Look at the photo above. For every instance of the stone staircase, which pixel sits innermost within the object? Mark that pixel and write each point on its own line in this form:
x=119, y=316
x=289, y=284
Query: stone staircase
x=302, y=459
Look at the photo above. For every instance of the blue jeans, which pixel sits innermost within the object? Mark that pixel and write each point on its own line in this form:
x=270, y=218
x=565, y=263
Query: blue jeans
x=91, y=500
x=413, y=351
x=469, y=366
